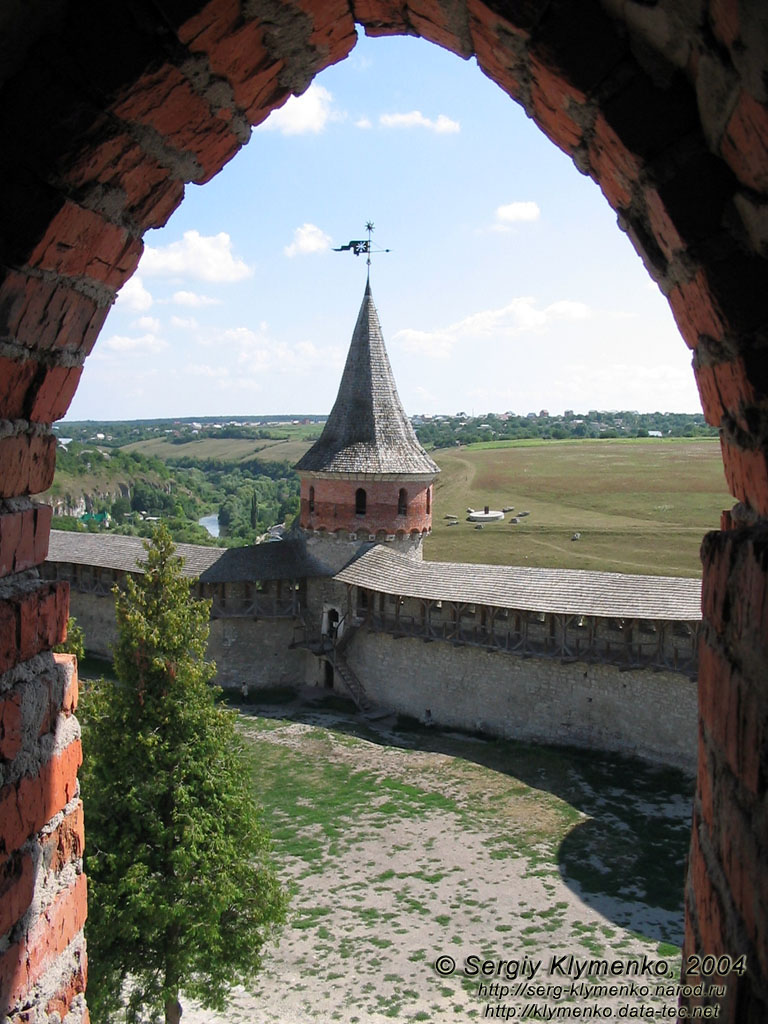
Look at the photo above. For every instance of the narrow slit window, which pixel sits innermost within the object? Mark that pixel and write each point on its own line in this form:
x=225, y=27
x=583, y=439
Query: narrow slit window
x=429, y=501
x=360, y=502
x=402, y=502
x=311, y=500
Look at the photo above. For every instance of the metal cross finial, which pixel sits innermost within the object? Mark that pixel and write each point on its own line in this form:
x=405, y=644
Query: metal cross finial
x=363, y=245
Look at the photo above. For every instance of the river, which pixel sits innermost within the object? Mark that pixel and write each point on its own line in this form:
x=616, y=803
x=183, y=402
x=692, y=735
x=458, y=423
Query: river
x=211, y=523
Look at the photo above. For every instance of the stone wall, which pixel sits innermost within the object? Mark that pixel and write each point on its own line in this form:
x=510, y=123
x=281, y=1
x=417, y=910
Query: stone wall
x=256, y=651
x=650, y=714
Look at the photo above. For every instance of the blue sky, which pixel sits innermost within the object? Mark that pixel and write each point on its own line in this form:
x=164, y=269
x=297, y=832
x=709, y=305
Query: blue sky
x=509, y=285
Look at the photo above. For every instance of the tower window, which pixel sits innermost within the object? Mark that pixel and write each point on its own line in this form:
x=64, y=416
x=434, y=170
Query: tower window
x=429, y=501
x=360, y=502
x=402, y=502
x=311, y=500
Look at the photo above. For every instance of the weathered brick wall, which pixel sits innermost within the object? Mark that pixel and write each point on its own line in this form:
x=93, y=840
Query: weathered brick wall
x=650, y=714
x=106, y=110
x=42, y=886
x=334, y=506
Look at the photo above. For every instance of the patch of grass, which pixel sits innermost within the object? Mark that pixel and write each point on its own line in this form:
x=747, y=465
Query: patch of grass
x=641, y=507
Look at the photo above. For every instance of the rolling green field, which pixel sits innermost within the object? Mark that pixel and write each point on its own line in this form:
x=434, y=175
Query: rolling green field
x=226, y=449
x=641, y=506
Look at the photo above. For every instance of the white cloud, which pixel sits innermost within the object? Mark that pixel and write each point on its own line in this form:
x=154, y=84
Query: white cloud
x=442, y=125
x=307, y=114
x=517, y=317
x=194, y=300
x=363, y=122
x=145, y=343
x=206, y=257
x=184, y=323
x=133, y=295
x=307, y=239
x=514, y=213
x=148, y=323
x=203, y=370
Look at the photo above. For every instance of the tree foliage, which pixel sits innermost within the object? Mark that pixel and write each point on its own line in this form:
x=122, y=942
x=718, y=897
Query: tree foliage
x=182, y=894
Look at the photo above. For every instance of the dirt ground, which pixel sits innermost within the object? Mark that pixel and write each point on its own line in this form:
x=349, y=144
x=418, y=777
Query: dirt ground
x=475, y=876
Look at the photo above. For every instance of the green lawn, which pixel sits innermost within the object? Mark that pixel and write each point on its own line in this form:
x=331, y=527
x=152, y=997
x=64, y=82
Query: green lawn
x=641, y=506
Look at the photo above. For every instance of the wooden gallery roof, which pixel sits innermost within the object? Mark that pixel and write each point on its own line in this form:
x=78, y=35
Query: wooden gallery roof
x=280, y=560
x=563, y=591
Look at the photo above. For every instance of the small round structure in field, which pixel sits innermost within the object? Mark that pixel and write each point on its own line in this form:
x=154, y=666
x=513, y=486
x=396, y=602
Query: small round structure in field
x=488, y=515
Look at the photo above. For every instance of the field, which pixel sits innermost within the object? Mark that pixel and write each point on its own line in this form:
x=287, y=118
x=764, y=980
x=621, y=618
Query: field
x=228, y=449
x=640, y=506
x=402, y=844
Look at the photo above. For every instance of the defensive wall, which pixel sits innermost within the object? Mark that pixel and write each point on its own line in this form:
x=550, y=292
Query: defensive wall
x=573, y=677
x=109, y=109
x=650, y=714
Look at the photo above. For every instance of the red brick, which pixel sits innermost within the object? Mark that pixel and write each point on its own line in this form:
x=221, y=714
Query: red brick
x=45, y=314
x=707, y=907
x=43, y=515
x=664, y=230
x=335, y=506
x=696, y=311
x=32, y=621
x=66, y=843
x=16, y=380
x=10, y=729
x=734, y=720
x=236, y=51
x=17, y=886
x=54, y=393
x=43, y=619
x=28, y=804
x=745, y=143
x=68, y=662
x=746, y=472
x=164, y=100
x=11, y=526
x=79, y=242
x=382, y=17
x=553, y=100
x=27, y=464
x=27, y=960
x=75, y=984
x=724, y=388
x=724, y=16
x=615, y=168
x=333, y=27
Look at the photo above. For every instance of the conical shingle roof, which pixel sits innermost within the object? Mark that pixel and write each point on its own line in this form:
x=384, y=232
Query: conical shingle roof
x=367, y=430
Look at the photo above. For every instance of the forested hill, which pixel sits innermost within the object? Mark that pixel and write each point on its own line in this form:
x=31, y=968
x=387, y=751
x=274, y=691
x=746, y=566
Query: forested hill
x=98, y=488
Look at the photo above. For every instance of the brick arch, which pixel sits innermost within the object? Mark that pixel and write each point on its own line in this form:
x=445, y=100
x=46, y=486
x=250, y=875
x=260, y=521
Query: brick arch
x=107, y=110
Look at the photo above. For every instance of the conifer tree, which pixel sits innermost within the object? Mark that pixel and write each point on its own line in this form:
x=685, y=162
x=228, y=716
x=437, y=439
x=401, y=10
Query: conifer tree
x=183, y=897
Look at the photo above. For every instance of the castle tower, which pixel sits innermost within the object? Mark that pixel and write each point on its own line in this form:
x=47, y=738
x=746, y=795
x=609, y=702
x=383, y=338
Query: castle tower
x=367, y=477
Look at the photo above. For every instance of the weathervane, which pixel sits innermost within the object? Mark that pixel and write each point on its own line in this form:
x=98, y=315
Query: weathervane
x=363, y=245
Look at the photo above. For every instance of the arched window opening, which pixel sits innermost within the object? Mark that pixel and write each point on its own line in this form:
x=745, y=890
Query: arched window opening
x=311, y=500
x=429, y=501
x=402, y=502
x=360, y=502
